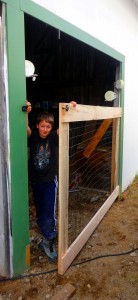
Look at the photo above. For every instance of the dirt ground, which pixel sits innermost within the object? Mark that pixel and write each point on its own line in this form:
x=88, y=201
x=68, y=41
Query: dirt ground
x=109, y=277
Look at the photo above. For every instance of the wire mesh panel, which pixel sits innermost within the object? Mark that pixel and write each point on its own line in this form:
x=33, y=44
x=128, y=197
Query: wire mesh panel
x=88, y=163
x=89, y=175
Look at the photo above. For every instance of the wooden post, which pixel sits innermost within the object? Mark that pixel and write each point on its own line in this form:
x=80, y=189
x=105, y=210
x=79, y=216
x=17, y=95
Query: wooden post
x=115, y=149
x=63, y=184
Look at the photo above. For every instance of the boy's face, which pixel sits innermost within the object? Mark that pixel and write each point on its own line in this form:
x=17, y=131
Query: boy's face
x=44, y=129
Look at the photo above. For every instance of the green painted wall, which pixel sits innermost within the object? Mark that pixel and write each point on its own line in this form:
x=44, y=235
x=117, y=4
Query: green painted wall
x=18, y=137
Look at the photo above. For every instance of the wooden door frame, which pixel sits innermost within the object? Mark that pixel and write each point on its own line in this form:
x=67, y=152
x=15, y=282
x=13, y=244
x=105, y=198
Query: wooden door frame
x=81, y=113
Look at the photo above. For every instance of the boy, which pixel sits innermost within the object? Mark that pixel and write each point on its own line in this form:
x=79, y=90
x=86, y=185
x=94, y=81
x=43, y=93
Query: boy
x=43, y=167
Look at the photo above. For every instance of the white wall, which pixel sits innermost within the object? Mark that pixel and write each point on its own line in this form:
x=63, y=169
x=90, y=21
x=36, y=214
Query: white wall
x=114, y=22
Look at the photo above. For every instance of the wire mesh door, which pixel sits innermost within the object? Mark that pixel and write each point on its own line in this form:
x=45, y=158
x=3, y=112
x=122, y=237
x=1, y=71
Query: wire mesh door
x=88, y=164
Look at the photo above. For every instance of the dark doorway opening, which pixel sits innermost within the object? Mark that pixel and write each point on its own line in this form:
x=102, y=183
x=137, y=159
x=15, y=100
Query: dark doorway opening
x=67, y=69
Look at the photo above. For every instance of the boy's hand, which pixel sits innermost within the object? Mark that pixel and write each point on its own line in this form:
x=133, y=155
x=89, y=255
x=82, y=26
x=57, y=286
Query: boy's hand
x=29, y=106
x=73, y=103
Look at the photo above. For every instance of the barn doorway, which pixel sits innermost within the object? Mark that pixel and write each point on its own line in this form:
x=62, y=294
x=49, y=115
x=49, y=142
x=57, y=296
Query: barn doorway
x=67, y=69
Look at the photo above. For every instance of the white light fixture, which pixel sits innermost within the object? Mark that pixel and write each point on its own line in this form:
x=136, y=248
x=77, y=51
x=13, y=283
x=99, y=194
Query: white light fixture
x=110, y=95
x=29, y=70
x=119, y=84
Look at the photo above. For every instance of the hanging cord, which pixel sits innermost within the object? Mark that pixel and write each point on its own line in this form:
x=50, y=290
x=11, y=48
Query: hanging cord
x=73, y=265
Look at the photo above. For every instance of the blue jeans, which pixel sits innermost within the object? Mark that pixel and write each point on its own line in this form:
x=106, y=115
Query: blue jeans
x=45, y=202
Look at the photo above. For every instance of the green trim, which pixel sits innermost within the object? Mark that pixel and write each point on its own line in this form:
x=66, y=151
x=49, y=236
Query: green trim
x=18, y=137
x=14, y=3
x=48, y=17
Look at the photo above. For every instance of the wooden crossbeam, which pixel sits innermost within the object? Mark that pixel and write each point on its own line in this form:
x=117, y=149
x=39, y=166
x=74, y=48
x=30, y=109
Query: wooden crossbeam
x=88, y=113
x=97, y=137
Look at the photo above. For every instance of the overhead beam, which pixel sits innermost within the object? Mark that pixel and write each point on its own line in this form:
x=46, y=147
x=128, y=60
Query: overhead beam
x=87, y=112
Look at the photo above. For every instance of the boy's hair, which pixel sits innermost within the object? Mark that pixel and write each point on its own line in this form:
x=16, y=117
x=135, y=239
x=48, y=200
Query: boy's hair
x=47, y=117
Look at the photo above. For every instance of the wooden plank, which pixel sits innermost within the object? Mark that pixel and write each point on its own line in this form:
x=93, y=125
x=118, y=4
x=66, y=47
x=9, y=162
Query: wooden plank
x=113, y=155
x=115, y=137
x=115, y=149
x=97, y=137
x=87, y=112
x=63, y=187
x=117, y=153
x=77, y=245
x=66, y=293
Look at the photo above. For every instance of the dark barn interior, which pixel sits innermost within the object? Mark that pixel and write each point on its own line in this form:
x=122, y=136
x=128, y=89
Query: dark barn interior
x=67, y=69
